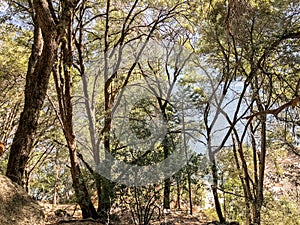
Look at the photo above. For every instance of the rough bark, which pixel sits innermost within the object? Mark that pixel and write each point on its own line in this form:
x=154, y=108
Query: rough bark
x=64, y=86
x=37, y=79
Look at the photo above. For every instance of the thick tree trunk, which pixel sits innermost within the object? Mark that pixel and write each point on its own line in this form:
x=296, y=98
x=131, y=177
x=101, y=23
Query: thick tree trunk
x=37, y=79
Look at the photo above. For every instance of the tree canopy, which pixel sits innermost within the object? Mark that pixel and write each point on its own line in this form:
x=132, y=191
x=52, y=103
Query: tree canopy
x=152, y=104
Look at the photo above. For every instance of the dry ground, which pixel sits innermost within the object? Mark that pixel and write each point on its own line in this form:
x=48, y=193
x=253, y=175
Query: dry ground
x=177, y=217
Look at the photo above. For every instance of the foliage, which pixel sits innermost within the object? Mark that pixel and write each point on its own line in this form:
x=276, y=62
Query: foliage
x=14, y=52
x=231, y=75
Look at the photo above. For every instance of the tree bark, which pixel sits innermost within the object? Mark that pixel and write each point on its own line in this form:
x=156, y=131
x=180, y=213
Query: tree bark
x=167, y=191
x=260, y=186
x=167, y=182
x=178, y=205
x=214, y=186
x=37, y=79
x=64, y=87
x=190, y=192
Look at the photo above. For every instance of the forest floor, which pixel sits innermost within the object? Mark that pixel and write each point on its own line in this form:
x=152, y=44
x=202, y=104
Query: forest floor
x=56, y=215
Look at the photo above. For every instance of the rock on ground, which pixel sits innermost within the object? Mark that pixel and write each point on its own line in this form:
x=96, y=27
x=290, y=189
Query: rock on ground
x=17, y=207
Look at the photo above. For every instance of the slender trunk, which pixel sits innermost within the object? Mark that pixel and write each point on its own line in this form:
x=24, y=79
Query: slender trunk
x=90, y=110
x=224, y=205
x=64, y=86
x=256, y=177
x=178, y=205
x=260, y=168
x=167, y=191
x=245, y=184
x=55, y=192
x=190, y=193
x=81, y=191
x=185, y=144
x=167, y=143
x=27, y=182
x=214, y=186
x=56, y=171
x=37, y=79
x=106, y=185
x=66, y=113
x=107, y=192
x=89, y=105
x=98, y=183
x=167, y=182
x=260, y=186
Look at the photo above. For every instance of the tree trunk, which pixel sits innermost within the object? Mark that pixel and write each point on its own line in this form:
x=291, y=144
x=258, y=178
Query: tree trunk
x=167, y=182
x=244, y=177
x=81, y=191
x=178, y=205
x=166, y=147
x=215, y=186
x=64, y=86
x=260, y=168
x=89, y=101
x=246, y=188
x=260, y=187
x=56, y=172
x=37, y=79
x=107, y=191
x=190, y=193
x=167, y=191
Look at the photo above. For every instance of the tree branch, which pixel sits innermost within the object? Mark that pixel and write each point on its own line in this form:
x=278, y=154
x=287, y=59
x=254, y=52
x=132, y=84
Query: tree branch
x=276, y=111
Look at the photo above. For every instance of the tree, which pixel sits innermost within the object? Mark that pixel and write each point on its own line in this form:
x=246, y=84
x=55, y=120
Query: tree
x=14, y=53
x=244, y=57
x=48, y=33
x=114, y=43
x=37, y=79
x=63, y=79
